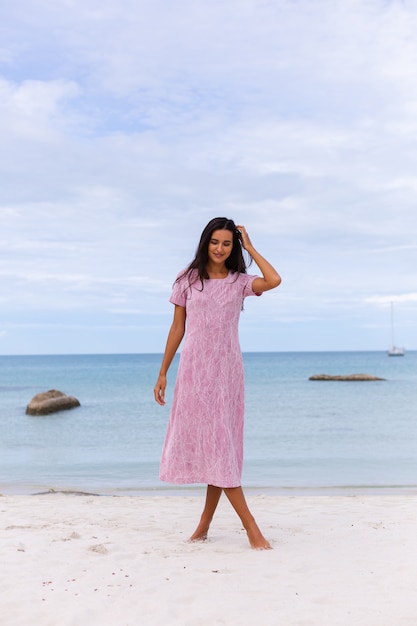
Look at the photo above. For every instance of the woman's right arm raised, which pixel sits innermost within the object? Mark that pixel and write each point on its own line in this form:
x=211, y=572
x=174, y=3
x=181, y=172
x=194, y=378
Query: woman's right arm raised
x=175, y=335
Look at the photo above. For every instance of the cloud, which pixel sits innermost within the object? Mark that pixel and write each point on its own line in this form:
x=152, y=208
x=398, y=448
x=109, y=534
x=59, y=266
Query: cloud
x=299, y=119
x=403, y=298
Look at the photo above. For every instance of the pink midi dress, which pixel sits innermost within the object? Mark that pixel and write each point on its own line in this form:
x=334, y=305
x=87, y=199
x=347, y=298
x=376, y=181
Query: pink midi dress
x=204, y=439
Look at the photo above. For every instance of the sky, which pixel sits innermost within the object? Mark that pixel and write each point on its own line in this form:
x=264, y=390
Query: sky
x=126, y=125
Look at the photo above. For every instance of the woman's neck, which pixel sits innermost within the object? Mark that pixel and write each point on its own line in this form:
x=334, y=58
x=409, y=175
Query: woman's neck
x=216, y=272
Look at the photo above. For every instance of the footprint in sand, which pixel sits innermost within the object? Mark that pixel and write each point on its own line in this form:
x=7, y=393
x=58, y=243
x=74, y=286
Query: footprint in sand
x=99, y=549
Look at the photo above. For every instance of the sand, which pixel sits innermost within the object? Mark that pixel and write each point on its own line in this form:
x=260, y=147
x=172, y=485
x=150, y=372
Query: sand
x=80, y=560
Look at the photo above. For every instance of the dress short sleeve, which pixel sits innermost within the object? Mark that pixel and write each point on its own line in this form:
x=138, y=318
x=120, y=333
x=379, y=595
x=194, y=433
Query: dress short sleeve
x=179, y=291
x=248, y=291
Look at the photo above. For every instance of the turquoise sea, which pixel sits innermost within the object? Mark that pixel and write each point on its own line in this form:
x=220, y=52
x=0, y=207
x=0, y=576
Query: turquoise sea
x=300, y=435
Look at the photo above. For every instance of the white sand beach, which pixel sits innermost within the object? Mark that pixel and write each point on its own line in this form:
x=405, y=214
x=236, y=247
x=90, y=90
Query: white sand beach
x=78, y=560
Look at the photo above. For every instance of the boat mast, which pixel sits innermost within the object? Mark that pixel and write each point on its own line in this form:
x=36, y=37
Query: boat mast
x=392, y=325
x=394, y=351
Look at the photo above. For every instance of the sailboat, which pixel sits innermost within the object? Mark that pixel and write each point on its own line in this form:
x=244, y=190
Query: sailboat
x=394, y=350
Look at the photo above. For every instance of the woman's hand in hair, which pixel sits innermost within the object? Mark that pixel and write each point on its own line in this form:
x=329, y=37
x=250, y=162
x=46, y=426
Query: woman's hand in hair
x=244, y=237
x=270, y=277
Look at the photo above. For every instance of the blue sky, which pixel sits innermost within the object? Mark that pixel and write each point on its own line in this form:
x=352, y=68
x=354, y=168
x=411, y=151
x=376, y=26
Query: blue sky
x=127, y=124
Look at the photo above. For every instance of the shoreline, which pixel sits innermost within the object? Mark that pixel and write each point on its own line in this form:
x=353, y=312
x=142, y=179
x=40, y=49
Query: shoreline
x=119, y=561
x=199, y=490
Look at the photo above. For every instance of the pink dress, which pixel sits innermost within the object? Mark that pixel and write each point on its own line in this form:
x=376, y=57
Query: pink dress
x=204, y=440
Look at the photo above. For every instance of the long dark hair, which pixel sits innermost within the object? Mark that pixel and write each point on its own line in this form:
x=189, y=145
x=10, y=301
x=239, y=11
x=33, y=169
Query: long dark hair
x=235, y=262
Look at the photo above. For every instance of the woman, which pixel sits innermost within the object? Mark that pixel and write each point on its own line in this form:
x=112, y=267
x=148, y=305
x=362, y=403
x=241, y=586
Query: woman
x=204, y=440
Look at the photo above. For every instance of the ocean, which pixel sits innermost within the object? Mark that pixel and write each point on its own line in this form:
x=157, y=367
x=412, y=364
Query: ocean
x=301, y=436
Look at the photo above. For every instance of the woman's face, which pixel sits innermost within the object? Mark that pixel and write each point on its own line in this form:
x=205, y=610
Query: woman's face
x=220, y=246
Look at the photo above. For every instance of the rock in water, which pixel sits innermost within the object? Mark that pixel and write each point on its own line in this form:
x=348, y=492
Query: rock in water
x=353, y=377
x=50, y=402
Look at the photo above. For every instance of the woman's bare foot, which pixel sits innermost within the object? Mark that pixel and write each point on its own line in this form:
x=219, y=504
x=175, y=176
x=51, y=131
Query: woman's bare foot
x=238, y=502
x=212, y=499
x=201, y=532
x=256, y=539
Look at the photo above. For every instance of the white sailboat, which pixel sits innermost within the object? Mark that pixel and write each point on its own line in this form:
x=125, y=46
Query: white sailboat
x=394, y=350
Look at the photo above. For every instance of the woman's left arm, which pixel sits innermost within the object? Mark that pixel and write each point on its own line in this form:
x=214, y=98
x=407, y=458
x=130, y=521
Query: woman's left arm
x=270, y=277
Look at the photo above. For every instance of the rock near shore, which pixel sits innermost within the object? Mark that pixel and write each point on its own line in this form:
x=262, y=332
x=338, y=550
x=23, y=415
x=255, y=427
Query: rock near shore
x=51, y=401
x=347, y=377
